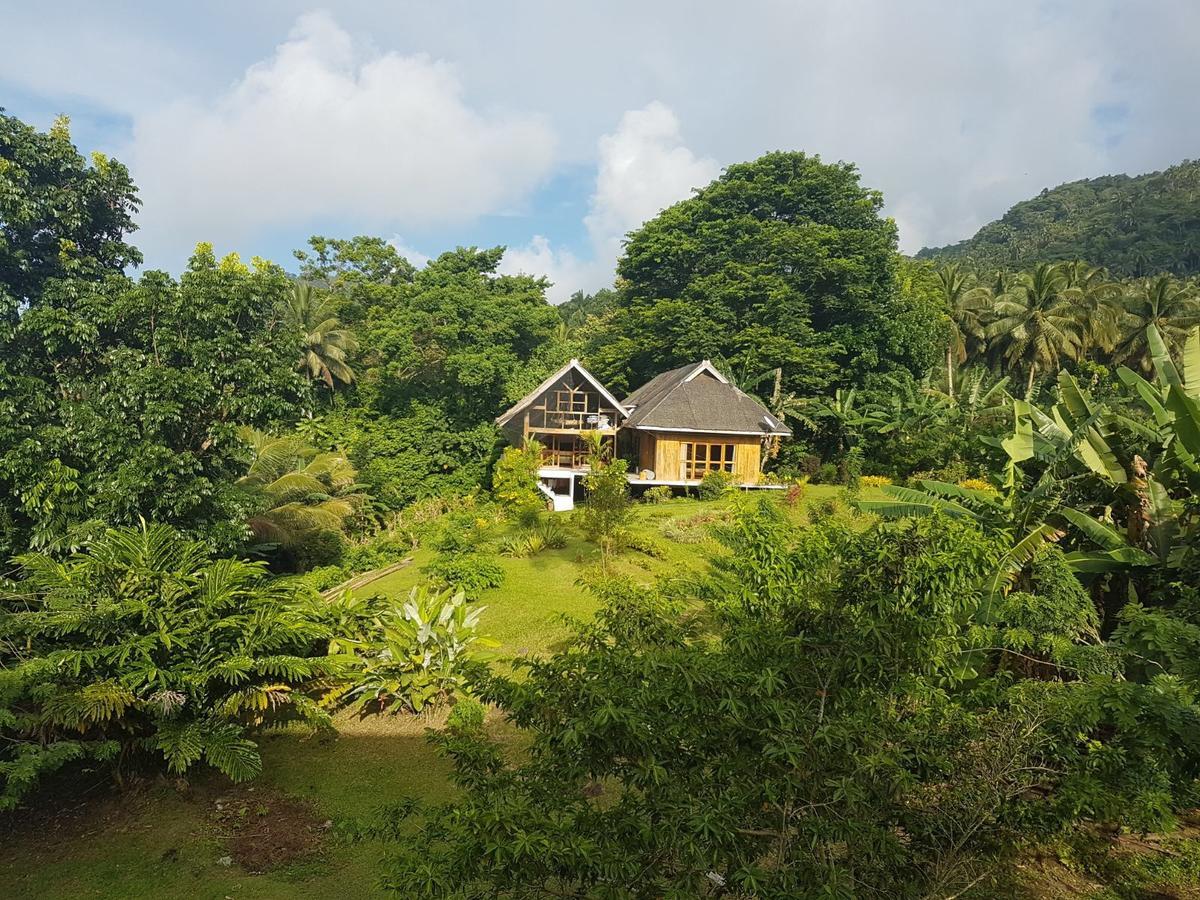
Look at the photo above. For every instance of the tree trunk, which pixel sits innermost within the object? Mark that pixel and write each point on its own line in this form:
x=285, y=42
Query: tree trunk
x=950, y=370
x=1029, y=386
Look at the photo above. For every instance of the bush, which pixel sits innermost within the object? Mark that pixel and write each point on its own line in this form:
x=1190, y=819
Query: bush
x=466, y=716
x=470, y=573
x=875, y=481
x=381, y=550
x=549, y=534
x=827, y=474
x=515, y=479
x=411, y=656
x=644, y=545
x=714, y=485
x=323, y=578
x=660, y=493
x=796, y=490
x=141, y=647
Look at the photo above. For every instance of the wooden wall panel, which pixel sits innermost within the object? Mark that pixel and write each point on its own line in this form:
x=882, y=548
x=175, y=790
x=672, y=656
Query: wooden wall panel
x=664, y=452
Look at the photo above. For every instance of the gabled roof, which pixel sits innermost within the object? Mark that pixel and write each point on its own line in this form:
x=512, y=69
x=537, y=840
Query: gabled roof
x=697, y=397
x=537, y=391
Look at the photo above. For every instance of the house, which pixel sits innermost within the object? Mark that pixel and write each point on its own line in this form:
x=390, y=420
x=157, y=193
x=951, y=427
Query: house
x=674, y=429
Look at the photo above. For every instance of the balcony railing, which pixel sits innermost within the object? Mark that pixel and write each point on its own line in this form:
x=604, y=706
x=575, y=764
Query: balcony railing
x=549, y=419
x=565, y=459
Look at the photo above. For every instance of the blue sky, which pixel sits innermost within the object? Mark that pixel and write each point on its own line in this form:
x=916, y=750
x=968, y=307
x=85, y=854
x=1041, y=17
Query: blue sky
x=554, y=127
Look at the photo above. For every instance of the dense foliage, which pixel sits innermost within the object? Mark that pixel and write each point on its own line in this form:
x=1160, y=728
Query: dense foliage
x=140, y=646
x=840, y=722
x=1134, y=226
x=781, y=262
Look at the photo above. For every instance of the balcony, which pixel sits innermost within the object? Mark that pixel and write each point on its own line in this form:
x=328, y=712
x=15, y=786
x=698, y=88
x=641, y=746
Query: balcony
x=552, y=420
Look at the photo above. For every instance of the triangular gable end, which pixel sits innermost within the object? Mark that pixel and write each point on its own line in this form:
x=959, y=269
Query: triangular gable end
x=545, y=385
x=706, y=367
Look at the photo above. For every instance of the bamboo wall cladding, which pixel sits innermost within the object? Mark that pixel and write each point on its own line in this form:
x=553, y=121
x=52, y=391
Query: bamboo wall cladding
x=666, y=454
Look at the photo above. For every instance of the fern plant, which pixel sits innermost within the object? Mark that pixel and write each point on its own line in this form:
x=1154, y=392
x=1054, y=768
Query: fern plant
x=139, y=646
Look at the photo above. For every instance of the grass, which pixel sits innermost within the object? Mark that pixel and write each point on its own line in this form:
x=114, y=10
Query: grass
x=159, y=843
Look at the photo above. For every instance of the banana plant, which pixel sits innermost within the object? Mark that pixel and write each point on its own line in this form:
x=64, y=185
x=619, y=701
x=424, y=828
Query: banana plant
x=1158, y=531
x=1011, y=510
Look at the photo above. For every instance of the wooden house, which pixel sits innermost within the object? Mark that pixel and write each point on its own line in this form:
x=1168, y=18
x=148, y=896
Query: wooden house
x=674, y=430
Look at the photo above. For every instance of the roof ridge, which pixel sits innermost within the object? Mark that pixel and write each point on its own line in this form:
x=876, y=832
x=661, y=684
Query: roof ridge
x=667, y=393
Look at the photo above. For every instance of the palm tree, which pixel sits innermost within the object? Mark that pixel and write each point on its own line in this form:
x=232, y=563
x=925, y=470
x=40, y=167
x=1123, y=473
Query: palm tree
x=1096, y=295
x=1039, y=322
x=325, y=345
x=1170, y=306
x=300, y=489
x=967, y=304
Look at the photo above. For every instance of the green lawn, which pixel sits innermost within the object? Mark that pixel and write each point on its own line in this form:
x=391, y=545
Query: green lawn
x=161, y=844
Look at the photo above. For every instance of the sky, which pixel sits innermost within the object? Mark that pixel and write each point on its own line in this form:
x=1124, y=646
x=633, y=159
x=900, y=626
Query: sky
x=554, y=127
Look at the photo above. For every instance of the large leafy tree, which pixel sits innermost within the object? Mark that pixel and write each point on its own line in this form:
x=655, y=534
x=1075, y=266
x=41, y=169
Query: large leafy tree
x=133, y=392
x=59, y=216
x=781, y=262
x=443, y=355
x=835, y=722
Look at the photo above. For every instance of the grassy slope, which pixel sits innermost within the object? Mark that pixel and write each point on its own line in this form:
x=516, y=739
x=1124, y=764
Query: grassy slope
x=162, y=845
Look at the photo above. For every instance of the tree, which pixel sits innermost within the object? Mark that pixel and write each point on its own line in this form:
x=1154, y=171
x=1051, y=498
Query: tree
x=966, y=304
x=1171, y=306
x=140, y=648
x=59, y=217
x=1038, y=322
x=299, y=490
x=129, y=396
x=781, y=262
x=326, y=346
x=606, y=513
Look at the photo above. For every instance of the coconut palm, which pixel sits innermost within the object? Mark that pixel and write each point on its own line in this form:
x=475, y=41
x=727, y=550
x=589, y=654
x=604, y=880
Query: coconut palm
x=967, y=304
x=1039, y=322
x=325, y=345
x=1171, y=306
x=1096, y=295
x=301, y=490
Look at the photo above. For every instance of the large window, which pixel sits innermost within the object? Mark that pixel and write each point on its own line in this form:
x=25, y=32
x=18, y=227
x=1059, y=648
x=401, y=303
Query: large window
x=705, y=458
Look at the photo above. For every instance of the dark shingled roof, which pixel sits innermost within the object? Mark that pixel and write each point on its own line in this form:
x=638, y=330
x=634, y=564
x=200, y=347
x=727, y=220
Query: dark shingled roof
x=704, y=404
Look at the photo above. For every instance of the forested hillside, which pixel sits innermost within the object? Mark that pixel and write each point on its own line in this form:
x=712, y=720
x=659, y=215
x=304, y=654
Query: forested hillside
x=1132, y=225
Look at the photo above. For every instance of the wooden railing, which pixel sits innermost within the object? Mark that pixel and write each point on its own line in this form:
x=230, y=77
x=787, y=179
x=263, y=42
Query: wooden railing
x=549, y=419
x=565, y=459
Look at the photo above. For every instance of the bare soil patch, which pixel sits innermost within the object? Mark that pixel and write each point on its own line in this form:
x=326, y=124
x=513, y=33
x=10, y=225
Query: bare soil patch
x=265, y=830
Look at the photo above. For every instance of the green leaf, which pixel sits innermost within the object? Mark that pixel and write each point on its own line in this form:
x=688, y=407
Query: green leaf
x=1098, y=532
x=1019, y=445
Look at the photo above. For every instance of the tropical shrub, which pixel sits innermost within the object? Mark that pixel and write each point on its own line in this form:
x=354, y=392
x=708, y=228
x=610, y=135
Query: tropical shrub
x=830, y=656
x=828, y=474
x=303, y=497
x=139, y=648
x=796, y=491
x=515, y=479
x=468, y=573
x=660, y=493
x=714, y=486
x=411, y=656
x=466, y=715
x=874, y=480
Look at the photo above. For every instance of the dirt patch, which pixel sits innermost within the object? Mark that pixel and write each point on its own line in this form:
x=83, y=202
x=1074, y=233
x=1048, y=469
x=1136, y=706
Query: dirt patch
x=265, y=830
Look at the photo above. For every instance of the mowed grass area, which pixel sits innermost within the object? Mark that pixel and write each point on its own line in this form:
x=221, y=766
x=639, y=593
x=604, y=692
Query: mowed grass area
x=158, y=842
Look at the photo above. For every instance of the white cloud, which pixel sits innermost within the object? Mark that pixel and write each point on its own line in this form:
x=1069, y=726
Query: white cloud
x=326, y=130
x=643, y=167
x=413, y=255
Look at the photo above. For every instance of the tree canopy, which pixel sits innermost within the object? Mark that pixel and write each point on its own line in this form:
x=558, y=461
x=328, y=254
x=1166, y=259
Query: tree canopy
x=781, y=262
